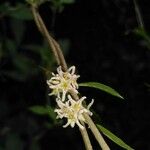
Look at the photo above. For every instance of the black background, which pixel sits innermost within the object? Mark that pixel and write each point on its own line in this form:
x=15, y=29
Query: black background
x=104, y=49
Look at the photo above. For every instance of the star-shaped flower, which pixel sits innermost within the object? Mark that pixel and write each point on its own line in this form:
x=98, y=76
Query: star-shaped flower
x=73, y=111
x=62, y=82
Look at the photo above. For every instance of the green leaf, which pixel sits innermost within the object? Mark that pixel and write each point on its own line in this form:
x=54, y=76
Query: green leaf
x=51, y=113
x=44, y=110
x=21, y=12
x=102, y=87
x=141, y=32
x=114, y=138
x=41, y=110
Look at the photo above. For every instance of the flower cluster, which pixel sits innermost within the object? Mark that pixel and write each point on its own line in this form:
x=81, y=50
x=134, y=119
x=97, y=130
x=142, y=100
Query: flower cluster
x=73, y=111
x=61, y=84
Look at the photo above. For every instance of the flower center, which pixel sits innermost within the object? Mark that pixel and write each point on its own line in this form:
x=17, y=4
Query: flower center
x=65, y=85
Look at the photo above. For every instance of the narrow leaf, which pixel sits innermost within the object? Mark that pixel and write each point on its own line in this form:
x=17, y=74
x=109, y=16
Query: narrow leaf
x=51, y=113
x=114, y=138
x=44, y=110
x=141, y=32
x=102, y=87
x=41, y=110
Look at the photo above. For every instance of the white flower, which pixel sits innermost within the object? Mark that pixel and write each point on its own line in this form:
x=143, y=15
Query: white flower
x=62, y=82
x=73, y=111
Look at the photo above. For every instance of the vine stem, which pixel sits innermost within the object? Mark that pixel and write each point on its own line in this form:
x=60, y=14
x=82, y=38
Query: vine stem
x=62, y=62
x=59, y=58
x=85, y=137
x=96, y=133
x=93, y=127
x=51, y=41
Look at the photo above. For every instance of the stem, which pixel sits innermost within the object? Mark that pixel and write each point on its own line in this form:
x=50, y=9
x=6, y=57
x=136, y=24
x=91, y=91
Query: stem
x=86, y=139
x=93, y=127
x=96, y=133
x=52, y=43
x=74, y=95
x=61, y=61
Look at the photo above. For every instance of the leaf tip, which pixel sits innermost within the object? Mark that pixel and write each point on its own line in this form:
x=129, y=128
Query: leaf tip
x=121, y=96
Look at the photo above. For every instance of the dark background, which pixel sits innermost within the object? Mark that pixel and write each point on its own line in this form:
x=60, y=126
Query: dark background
x=104, y=48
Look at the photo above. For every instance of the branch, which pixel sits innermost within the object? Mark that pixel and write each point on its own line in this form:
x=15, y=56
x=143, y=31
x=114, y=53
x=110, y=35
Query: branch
x=96, y=133
x=61, y=61
x=52, y=43
x=86, y=139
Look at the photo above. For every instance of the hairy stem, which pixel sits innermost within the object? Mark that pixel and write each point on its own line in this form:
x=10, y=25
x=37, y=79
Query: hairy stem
x=52, y=43
x=93, y=127
x=96, y=133
x=61, y=61
x=86, y=139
